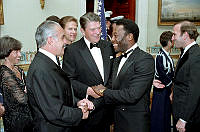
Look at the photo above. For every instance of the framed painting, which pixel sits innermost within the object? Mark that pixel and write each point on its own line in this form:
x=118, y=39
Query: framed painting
x=1, y=13
x=173, y=11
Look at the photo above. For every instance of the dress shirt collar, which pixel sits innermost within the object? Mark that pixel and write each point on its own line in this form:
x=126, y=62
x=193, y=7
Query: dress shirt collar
x=167, y=53
x=132, y=47
x=50, y=55
x=87, y=42
x=187, y=47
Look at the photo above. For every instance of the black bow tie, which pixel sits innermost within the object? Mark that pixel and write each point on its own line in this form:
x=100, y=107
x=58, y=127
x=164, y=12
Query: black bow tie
x=94, y=45
x=125, y=54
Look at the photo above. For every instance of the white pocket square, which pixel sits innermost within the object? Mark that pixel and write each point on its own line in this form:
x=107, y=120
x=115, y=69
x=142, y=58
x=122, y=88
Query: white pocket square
x=111, y=57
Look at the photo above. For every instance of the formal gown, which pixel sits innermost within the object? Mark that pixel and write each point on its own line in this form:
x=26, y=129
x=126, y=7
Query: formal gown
x=17, y=117
x=161, y=105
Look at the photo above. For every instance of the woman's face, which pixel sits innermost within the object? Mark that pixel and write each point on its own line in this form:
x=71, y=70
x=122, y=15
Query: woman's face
x=14, y=56
x=71, y=31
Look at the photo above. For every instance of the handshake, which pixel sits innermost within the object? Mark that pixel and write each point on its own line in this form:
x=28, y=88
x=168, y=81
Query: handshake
x=85, y=105
x=96, y=91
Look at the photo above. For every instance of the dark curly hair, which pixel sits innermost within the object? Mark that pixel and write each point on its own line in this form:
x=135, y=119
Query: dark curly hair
x=7, y=45
x=165, y=37
x=129, y=27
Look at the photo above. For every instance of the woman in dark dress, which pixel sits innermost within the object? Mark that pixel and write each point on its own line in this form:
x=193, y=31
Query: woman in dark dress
x=17, y=115
x=164, y=72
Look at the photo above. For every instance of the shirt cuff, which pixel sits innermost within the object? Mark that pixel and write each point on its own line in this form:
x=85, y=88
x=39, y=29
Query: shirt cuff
x=182, y=120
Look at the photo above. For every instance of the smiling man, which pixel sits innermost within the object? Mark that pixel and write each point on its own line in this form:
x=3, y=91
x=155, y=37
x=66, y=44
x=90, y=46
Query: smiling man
x=50, y=94
x=87, y=63
x=131, y=82
x=186, y=92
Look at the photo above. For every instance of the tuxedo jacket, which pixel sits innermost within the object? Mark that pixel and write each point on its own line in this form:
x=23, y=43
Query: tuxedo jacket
x=131, y=93
x=83, y=72
x=50, y=96
x=81, y=68
x=186, y=91
x=164, y=68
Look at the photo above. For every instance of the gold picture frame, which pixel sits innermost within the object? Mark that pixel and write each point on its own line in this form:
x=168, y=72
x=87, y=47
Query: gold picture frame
x=1, y=13
x=173, y=11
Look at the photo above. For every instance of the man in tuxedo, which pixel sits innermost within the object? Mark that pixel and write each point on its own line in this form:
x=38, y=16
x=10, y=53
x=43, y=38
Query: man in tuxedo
x=133, y=73
x=49, y=89
x=186, y=91
x=87, y=63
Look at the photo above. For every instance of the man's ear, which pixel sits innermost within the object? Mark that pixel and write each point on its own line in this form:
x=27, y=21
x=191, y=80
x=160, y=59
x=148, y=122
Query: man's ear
x=130, y=36
x=82, y=31
x=185, y=35
x=50, y=40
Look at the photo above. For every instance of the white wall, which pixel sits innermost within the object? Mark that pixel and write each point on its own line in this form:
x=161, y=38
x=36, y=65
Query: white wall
x=142, y=21
x=146, y=18
x=154, y=30
x=21, y=17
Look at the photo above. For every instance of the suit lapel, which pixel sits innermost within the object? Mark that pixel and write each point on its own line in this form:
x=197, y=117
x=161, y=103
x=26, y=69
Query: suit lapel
x=51, y=65
x=115, y=67
x=182, y=60
x=106, y=61
x=50, y=62
x=128, y=62
x=87, y=56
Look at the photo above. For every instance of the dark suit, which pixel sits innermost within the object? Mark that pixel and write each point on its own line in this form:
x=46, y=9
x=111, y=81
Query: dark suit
x=50, y=97
x=131, y=93
x=186, y=92
x=81, y=68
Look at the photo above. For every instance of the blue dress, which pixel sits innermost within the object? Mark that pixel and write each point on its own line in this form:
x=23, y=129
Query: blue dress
x=161, y=105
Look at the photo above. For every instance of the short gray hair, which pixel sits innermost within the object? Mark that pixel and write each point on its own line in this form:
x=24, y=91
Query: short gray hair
x=45, y=30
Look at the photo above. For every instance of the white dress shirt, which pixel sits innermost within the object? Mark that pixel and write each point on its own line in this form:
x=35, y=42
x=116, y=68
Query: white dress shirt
x=48, y=54
x=123, y=60
x=97, y=56
x=187, y=47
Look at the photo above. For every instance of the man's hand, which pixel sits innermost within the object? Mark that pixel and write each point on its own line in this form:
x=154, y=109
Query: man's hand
x=99, y=89
x=180, y=126
x=2, y=110
x=158, y=84
x=88, y=105
x=171, y=96
x=92, y=93
x=85, y=113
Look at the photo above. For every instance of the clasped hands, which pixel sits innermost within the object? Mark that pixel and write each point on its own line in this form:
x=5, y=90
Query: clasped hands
x=85, y=105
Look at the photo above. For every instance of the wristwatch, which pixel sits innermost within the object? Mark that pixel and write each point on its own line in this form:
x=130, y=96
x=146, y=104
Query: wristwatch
x=101, y=92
